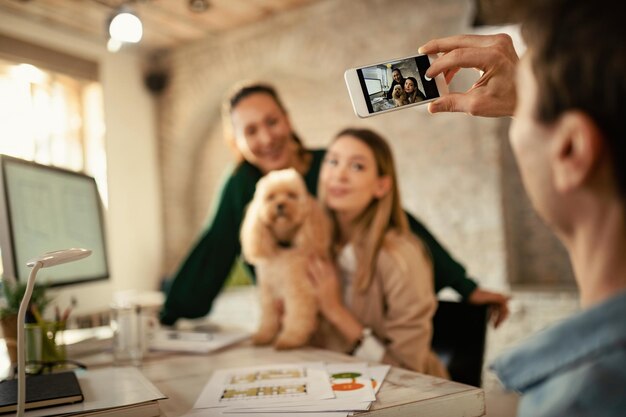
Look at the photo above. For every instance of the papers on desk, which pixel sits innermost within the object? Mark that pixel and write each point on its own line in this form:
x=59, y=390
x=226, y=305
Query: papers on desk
x=195, y=342
x=306, y=389
x=266, y=385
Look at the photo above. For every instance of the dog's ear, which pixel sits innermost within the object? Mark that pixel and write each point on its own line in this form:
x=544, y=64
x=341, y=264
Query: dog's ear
x=316, y=229
x=256, y=240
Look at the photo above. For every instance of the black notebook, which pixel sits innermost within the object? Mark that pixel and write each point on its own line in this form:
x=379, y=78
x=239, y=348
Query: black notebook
x=42, y=391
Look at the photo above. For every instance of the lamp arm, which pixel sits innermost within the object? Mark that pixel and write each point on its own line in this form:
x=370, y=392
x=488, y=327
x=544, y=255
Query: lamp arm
x=21, y=360
x=42, y=261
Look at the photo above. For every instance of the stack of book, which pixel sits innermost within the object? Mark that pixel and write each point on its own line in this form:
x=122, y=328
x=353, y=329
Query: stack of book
x=119, y=391
x=42, y=391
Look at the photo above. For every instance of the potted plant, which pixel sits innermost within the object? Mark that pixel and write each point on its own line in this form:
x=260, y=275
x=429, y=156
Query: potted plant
x=12, y=294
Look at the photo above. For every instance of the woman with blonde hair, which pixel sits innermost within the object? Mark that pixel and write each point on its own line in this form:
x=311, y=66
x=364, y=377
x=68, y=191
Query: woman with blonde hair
x=378, y=301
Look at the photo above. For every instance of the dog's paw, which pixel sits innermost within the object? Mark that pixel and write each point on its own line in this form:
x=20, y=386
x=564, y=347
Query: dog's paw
x=261, y=339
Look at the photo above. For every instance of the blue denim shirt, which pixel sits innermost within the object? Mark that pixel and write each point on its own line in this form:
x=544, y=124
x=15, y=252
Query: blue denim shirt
x=576, y=368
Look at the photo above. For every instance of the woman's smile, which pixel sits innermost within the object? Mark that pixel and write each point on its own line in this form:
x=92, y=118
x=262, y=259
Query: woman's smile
x=338, y=191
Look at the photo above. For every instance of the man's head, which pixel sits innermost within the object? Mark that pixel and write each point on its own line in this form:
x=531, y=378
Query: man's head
x=568, y=133
x=577, y=52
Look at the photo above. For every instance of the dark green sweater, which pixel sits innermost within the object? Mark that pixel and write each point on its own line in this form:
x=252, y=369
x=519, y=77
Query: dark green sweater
x=203, y=273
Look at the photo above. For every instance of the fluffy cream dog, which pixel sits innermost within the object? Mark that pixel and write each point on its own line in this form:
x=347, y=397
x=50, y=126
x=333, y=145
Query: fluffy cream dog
x=399, y=96
x=283, y=226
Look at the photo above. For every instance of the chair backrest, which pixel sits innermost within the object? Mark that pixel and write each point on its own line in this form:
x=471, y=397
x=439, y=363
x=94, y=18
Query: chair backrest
x=459, y=333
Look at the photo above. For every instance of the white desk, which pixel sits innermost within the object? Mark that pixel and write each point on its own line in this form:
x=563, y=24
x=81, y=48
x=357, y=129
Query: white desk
x=404, y=393
x=181, y=377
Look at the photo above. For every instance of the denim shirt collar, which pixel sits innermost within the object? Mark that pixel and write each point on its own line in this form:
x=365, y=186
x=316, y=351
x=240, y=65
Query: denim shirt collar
x=586, y=334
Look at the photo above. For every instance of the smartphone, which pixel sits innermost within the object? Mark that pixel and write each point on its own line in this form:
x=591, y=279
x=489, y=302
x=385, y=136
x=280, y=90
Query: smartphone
x=393, y=84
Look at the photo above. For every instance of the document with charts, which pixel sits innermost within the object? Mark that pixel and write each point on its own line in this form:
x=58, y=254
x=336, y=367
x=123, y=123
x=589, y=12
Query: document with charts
x=352, y=393
x=267, y=384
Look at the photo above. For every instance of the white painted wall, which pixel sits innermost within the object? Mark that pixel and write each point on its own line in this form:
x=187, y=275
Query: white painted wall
x=134, y=218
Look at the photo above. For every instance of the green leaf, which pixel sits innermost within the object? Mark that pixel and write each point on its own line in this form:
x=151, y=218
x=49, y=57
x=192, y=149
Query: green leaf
x=14, y=292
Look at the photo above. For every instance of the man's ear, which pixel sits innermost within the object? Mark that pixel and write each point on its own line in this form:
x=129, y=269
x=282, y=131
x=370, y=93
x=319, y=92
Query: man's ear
x=383, y=186
x=576, y=150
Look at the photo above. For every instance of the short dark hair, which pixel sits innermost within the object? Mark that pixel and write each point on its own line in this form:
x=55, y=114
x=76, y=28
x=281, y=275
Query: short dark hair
x=396, y=69
x=578, y=56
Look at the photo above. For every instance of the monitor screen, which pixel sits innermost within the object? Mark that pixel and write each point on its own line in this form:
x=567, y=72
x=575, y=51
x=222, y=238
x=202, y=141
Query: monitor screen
x=44, y=209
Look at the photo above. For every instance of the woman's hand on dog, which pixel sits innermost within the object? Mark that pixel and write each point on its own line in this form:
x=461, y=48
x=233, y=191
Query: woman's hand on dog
x=323, y=276
x=325, y=281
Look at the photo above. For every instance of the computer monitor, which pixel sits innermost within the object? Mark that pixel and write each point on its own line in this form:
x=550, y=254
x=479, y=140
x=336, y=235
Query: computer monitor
x=44, y=209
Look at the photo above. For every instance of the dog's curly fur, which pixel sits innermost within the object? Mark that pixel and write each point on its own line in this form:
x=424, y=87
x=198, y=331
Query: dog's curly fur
x=399, y=96
x=284, y=225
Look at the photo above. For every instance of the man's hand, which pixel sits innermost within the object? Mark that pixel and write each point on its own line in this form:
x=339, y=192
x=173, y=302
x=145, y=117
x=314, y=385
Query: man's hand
x=493, y=95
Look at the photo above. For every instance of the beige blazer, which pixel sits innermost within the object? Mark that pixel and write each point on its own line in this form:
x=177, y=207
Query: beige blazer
x=398, y=306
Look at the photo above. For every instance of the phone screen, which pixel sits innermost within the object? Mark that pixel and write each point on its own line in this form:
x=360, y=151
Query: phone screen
x=397, y=83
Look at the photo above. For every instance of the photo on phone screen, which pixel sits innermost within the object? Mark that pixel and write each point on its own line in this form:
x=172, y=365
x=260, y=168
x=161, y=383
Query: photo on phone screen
x=397, y=83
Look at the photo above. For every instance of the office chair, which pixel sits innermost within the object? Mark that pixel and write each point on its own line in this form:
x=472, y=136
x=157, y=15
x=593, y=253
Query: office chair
x=459, y=333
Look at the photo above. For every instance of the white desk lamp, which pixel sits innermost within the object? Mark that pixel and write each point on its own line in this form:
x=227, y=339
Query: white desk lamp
x=46, y=260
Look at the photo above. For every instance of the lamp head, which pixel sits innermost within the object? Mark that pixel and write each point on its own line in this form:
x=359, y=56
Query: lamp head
x=125, y=26
x=59, y=257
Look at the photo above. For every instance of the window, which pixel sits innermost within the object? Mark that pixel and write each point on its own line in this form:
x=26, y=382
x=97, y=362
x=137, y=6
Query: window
x=51, y=116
